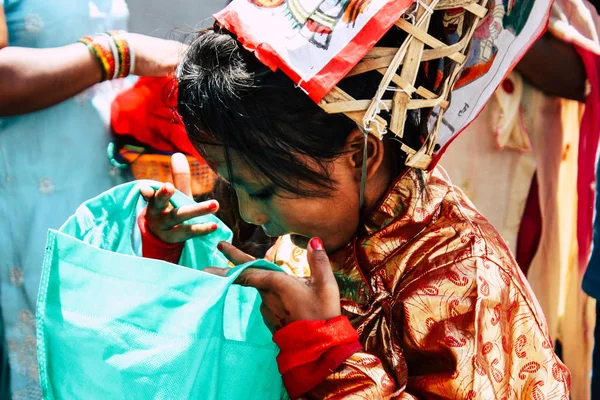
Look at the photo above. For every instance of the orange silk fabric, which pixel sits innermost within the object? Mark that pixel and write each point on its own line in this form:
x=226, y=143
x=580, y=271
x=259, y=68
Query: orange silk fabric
x=440, y=305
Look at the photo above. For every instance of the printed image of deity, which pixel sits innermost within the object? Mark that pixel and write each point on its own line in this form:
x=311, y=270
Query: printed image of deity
x=503, y=15
x=316, y=20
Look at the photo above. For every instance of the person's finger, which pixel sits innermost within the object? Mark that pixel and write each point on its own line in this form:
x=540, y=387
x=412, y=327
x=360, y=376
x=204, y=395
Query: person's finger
x=318, y=262
x=251, y=277
x=182, y=178
x=184, y=232
x=147, y=192
x=260, y=279
x=217, y=271
x=184, y=213
x=160, y=201
x=233, y=254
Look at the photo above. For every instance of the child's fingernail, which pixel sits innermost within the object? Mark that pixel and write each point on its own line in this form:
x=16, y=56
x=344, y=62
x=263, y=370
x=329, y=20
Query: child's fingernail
x=164, y=190
x=316, y=244
x=213, y=227
x=220, y=247
x=213, y=206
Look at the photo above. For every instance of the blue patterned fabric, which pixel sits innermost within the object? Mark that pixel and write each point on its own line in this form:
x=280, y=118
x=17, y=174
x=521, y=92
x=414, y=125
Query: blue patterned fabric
x=50, y=162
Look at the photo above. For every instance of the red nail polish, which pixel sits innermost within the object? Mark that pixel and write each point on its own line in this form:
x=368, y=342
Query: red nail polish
x=316, y=244
x=213, y=206
x=220, y=247
x=213, y=227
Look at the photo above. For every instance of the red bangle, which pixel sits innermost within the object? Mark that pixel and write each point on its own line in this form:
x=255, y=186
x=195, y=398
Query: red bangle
x=304, y=341
x=306, y=377
x=154, y=247
x=312, y=350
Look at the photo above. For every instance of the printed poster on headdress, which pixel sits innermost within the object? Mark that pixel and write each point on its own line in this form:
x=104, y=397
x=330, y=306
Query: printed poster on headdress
x=499, y=42
x=315, y=42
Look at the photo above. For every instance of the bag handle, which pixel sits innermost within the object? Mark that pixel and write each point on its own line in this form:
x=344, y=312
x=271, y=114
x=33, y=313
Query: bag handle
x=233, y=311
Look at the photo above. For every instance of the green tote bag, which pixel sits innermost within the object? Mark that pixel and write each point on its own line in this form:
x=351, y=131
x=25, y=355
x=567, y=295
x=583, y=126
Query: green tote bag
x=112, y=325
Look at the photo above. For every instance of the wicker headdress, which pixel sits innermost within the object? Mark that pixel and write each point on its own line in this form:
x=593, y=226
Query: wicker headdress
x=319, y=42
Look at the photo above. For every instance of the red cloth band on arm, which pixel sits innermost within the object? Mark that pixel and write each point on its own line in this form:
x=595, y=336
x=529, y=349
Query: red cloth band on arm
x=312, y=350
x=154, y=247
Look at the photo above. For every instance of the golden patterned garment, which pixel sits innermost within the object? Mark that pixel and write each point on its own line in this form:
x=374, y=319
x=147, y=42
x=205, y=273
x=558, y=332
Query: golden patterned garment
x=441, y=307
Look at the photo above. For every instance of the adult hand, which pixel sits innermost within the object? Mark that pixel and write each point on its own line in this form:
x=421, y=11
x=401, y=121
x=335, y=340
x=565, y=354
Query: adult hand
x=167, y=222
x=566, y=78
x=154, y=57
x=286, y=298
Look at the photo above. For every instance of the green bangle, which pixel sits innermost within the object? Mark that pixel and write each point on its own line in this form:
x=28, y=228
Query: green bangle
x=93, y=50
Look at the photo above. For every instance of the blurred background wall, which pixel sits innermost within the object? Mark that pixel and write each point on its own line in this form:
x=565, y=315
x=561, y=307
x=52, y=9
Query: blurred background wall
x=170, y=19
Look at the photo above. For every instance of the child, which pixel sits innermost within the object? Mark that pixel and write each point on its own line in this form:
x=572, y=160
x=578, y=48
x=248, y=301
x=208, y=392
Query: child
x=407, y=293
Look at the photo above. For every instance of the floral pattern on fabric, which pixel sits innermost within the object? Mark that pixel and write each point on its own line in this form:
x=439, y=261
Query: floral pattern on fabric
x=442, y=310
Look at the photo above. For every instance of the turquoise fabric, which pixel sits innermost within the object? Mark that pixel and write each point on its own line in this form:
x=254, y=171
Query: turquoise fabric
x=112, y=325
x=50, y=162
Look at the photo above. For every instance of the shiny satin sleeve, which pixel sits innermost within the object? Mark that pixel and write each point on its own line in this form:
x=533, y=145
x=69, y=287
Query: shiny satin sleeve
x=473, y=330
x=361, y=376
x=481, y=341
x=461, y=326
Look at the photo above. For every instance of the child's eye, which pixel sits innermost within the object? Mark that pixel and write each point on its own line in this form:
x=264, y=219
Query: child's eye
x=263, y=195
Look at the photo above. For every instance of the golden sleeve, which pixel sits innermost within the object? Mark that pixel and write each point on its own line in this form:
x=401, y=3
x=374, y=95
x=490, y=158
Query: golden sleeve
x=361, y=376
x=470, y=330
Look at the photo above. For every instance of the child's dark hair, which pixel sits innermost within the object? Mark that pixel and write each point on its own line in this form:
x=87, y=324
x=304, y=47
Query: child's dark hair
x=227, y=97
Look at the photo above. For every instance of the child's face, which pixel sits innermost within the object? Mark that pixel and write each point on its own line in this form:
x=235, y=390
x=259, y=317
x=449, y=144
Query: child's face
x=334, y=219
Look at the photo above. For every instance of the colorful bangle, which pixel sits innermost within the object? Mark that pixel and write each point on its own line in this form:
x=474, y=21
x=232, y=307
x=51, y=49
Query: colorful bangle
x=105, y=57
x=126, y=55
x=115, y=53
x=120, y=54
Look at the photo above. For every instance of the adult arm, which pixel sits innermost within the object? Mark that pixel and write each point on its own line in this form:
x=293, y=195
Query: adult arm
x=3, y=29
x=555, y=68
x=34, y=79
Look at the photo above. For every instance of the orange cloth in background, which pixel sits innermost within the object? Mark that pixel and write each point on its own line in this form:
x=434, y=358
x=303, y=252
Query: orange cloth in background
x=147, y=112
x=440, y=305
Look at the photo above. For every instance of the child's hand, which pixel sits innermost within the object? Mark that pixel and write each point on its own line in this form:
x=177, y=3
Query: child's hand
x=165, y=221
x=286, y=298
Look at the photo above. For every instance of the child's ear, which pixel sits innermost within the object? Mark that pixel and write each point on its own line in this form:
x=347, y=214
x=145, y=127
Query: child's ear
x=355, y=143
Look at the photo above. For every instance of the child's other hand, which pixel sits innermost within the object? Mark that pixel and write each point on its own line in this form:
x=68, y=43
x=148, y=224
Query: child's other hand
x=286, y=298
x=166, y=221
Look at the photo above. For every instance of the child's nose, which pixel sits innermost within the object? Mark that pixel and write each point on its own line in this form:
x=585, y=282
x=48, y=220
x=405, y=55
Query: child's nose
x=251, y=214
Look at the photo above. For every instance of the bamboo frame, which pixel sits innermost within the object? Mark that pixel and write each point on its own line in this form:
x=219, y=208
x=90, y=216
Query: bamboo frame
x=400, y=66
